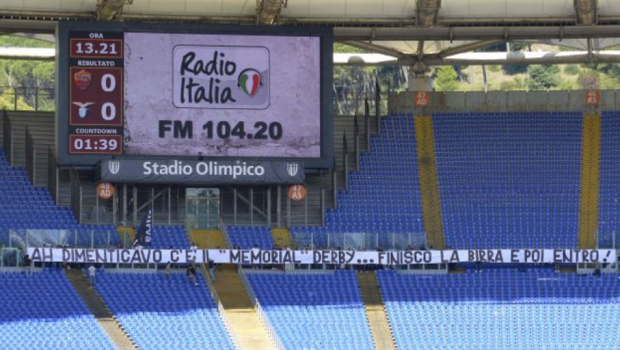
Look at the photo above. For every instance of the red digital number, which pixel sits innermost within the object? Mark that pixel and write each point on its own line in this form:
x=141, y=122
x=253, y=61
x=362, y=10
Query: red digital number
x=95, y=144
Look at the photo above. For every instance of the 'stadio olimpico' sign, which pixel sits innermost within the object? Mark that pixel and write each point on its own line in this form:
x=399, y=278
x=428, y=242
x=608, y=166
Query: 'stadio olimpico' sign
x=250, y=257
x=201, y=172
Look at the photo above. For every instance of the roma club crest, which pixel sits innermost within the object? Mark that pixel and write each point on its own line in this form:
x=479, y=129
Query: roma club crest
x=249, y=81
x=83, y=79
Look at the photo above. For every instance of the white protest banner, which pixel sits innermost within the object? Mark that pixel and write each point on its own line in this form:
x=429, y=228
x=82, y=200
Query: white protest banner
x=257, y=256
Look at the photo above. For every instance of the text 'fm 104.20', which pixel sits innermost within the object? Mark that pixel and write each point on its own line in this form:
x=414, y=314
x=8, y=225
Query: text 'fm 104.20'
x=222, y=130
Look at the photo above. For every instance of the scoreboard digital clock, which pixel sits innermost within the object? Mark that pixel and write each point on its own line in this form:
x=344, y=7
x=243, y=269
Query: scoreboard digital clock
x=182, y=91
x=95, y=92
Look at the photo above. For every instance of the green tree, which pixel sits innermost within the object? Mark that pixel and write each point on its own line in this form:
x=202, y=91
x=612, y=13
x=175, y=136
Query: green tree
x=543, y=77
x=571, y=69
x=446, y=79
x=589, y=80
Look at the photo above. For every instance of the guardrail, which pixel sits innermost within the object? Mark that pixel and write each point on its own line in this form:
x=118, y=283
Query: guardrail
x=273, y=336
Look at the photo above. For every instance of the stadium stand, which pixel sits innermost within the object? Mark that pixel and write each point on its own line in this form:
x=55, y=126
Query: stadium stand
x=22, y=206
x=502, y=308
x=248, y=236
x=165, y=237
x=392, y=207
x=314, y=311
x=43, y=311
x=509, y=180
x=160, y=313
x=609, y=207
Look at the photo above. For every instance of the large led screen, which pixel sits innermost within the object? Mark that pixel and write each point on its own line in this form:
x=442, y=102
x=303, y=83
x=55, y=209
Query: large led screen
x=143, y=91
x=232, y=95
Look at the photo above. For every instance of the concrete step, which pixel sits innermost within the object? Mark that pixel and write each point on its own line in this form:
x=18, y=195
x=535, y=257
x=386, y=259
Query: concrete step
x=375, y=312
x=281, y=237
x=101, y=312
x=208, y=239
x=241, y=315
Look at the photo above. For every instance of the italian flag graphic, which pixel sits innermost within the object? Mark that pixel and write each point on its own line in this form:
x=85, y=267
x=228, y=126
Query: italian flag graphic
x=249, y=81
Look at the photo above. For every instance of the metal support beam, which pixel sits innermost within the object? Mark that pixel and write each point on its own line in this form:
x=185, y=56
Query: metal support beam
x=251, y=206
x=250, y=203
x=154, y=196
x=374, y=48
x=476, y=33
x=288, y=212
x=235, y=205
x=124, y=205
x=152, y=201
x=466, y=48
x=169, y=205
x=135, y=205
x=269, y=206
x=279, y=206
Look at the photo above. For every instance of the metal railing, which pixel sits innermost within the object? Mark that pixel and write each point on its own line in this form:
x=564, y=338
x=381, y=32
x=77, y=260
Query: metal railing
x=608, y=240
x=27, y=98
x=24, y=238
x=10, y=257
x=52, y=174
x=359, y=240
x=273, y=336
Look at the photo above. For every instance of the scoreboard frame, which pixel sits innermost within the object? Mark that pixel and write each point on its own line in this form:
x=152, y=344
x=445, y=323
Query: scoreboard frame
x=66, y=54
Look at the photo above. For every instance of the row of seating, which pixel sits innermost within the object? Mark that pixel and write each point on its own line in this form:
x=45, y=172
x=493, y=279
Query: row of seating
x=524, y=166
x=499, y=308
x=314, y=311
x=43, y=311
x=164, y=312
x=247, y=237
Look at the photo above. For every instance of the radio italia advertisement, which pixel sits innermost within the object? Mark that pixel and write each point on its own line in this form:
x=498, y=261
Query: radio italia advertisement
x=222, y=95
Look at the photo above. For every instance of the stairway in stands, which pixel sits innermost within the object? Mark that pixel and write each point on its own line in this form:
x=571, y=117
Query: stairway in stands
x=375, y=312
x=590, y=173
x=208, y=239
x=281, y=237
x=240, y=312
x=101, y=312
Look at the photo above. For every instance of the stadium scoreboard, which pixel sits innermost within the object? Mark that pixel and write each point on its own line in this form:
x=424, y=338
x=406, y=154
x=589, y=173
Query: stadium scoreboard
x=156, y=91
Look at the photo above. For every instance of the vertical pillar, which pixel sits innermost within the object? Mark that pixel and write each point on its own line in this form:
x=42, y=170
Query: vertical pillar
x=251, y=206
x=235, y=205
x=169, y=205
x=135, y=206
x=279, y=206
x=269, y=206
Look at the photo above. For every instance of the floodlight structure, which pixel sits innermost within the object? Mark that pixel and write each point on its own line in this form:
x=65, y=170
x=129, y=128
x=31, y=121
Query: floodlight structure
x=108, y=10
x=268, y=11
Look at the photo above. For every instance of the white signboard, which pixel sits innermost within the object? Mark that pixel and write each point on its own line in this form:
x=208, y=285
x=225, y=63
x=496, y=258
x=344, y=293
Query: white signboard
x=256, y=256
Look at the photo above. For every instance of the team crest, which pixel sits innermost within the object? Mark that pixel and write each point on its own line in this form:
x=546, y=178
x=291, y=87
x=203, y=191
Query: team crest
x=83, y=79
x=114, y=166
x=292, y=168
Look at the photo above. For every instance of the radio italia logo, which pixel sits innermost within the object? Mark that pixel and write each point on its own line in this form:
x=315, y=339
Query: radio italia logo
x=221, y=77
x=249, y=81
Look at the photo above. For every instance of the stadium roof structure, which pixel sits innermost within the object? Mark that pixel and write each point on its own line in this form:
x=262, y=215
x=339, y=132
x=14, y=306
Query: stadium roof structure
x=411, y=32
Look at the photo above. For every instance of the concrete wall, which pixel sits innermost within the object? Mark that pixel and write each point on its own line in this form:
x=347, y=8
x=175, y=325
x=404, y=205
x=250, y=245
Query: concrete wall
x=502, y=101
